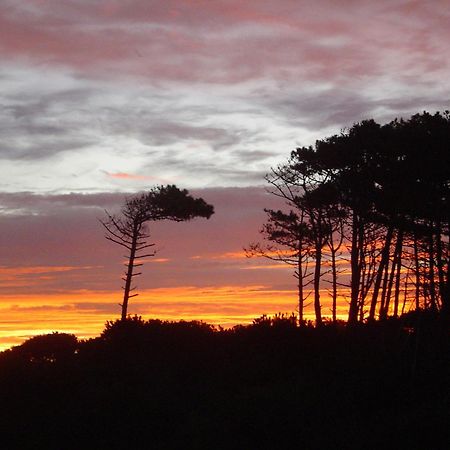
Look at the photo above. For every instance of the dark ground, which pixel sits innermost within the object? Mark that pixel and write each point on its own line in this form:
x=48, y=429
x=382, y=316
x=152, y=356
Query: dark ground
x=154, y=385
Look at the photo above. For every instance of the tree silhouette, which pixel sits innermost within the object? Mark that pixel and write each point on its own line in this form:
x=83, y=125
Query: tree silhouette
x=289, y=236
x=376, y=190
x=302, y=183
x=130, y=229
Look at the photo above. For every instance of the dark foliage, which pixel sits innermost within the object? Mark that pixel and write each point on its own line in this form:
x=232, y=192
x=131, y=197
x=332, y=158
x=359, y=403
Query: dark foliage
x=130, y=229
x=381, y=192
x=175, y=385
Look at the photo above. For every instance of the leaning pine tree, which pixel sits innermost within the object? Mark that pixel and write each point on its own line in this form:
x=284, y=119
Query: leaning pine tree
x=130, y=229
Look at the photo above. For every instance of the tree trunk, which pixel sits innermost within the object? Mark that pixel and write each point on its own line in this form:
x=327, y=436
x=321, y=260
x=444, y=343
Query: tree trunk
x=440, y=261
x=399, y=247
x=301, y=300
x=385, y=312
x=333, y=252
x=317, y=270
x=431, y=275
x=384, y=291
x=446, y=293
x=417, y=271
x=395, y=263
x=355, y=269
x=129, y=276
x=362, y=278
x=384, y=260
x=405, y=293
x=334, y=281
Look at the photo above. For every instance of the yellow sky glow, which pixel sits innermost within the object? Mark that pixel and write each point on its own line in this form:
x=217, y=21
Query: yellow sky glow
x=84, y=313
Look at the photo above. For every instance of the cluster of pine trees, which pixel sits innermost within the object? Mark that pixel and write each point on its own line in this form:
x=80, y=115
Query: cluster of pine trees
x=367, y=218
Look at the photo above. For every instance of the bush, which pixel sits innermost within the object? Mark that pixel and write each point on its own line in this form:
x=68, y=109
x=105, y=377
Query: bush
x=48, y=348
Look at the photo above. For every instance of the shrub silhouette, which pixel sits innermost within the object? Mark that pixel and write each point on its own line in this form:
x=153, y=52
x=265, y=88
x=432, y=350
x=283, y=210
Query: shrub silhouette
x=280, y=320
x=169, y=385
x=48, y=348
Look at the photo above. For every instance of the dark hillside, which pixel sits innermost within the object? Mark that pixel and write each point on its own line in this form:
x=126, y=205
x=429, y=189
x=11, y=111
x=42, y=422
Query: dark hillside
x=159, y=385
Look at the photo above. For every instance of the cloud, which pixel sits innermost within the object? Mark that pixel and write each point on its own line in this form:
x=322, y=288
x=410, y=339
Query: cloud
x=71, y=237
x=225, y=41
x=130, y=176
x=31, y=205
x=183, y=90
x=74, y=131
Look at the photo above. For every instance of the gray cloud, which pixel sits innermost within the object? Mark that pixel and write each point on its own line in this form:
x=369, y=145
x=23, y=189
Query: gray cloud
x=37, y=125
x=28, y=203
x=254, y=155
x=62, y=231
x=202, y=94
x=337, y=108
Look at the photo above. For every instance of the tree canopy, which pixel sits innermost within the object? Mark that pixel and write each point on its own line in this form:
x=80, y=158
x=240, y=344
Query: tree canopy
x=382, y=190
x=130, y=229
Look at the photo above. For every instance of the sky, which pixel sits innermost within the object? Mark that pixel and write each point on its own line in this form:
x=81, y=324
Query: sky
x=103, y=99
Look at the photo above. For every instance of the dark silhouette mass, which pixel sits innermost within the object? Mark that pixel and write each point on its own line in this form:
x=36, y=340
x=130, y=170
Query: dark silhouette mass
x=379, y=192
x=269, y=385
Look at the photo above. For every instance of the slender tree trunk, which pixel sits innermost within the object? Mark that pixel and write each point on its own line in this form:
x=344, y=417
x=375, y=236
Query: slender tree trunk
x=300, y=287
x=417, y=271
x=384, y=291
x=387, y=302
x=362, y=278
x=334, y=248
x=317, y=270
x=446, y=294
x=405, y=293
x=334, y=281
x=355, y=269
x=129, y=276
x=399, y=247
x=431, y=275
x=384, y=260
x=333, y=252
x=394, y=270
x=440, y=261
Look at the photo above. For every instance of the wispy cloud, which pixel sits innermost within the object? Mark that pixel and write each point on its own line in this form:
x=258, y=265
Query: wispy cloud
x=202, y=93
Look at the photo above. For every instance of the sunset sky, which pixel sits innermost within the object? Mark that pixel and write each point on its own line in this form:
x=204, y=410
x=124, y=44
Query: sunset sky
x=100, y=99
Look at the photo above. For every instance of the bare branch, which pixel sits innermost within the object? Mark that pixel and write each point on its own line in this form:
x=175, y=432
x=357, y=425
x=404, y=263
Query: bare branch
x=117, y=236
x=145, y=256
x=117, y=242
x=144, y=246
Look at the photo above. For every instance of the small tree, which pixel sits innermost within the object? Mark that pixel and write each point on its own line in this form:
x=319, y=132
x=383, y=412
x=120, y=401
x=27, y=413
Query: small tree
x=130, y=229
x=290, y=237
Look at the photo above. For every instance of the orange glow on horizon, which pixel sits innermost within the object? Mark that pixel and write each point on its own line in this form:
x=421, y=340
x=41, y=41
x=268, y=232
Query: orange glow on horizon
x=84, y=313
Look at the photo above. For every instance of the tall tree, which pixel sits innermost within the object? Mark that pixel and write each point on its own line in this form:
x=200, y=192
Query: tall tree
x=288, y=236
x=130, y=228
x=393, y=182
x=300, y=182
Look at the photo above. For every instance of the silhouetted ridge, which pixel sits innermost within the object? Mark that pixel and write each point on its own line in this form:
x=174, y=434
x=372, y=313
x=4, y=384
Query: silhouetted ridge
x=170, y=385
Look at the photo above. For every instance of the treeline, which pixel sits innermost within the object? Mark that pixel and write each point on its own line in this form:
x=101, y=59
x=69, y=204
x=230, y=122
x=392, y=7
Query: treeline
x=171, y=385
x=367, y=219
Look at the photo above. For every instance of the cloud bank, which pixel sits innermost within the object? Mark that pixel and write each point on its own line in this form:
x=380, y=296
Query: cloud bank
x=202, y=93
